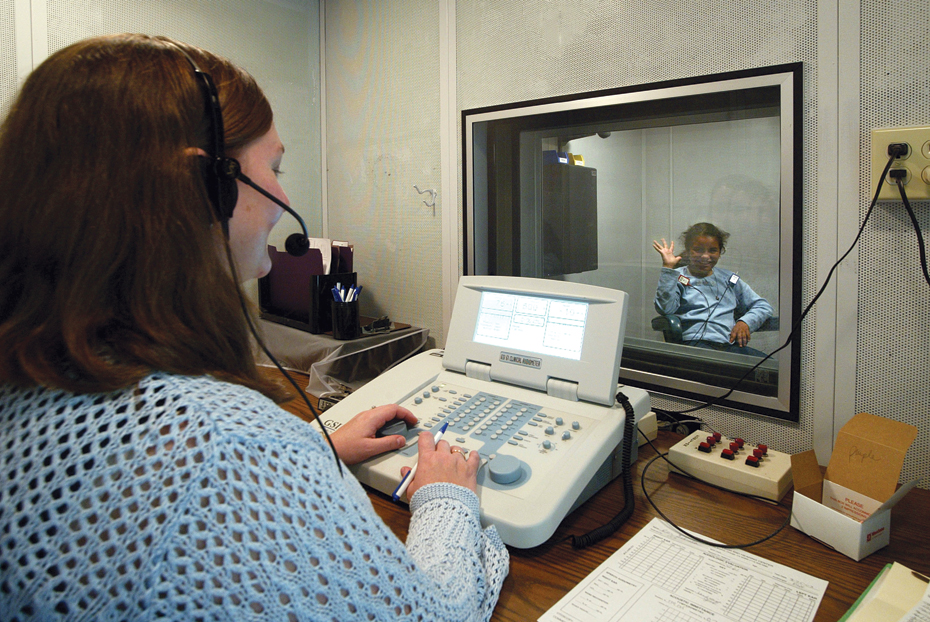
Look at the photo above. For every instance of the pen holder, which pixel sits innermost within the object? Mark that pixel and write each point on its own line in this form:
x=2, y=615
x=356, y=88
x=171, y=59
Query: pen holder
x=321, y=294
x=345, y=320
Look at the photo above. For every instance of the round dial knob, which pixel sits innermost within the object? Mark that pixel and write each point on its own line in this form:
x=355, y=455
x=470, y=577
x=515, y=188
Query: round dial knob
x=505, y=469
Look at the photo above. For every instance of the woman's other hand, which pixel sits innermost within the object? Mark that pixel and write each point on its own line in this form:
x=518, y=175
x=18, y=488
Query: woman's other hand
x=669, y=258
x=355, y=440
x=441, y=462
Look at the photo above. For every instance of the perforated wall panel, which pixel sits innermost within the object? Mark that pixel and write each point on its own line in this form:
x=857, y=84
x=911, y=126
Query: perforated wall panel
x=510, y=51
x=893, y=357
x=382, y=89
x=8, y=82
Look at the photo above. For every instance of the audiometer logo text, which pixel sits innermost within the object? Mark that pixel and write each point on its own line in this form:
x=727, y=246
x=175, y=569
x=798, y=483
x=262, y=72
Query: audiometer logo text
x=519, y=359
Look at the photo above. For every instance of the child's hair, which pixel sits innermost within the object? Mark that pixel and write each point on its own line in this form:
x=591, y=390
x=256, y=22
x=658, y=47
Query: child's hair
x=705, y=228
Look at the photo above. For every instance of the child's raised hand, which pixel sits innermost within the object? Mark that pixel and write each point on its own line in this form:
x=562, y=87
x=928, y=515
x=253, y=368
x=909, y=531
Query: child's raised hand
x=669, y=259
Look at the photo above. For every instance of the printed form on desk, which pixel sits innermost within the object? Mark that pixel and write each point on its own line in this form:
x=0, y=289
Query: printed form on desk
x=661, y=574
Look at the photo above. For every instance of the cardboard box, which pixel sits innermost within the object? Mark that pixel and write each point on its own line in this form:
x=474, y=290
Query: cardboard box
x=848, y=508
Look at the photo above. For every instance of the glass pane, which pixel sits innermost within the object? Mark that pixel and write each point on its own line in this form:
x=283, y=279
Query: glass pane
x=592, y=189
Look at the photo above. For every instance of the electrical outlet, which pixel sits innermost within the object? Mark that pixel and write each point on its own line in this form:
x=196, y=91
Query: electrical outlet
x=916, y=163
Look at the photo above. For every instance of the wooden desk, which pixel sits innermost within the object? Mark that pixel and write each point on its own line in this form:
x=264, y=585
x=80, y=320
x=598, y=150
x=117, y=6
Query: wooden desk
x=539, y=577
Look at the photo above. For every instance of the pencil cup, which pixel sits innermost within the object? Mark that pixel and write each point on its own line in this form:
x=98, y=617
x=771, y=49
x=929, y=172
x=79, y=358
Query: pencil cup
x=345, y=320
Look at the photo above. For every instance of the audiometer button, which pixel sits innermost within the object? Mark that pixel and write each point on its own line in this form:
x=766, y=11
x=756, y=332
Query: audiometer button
x=434, y=389
x=425, y=393
x=558, y=421
x=547, y=444
x=550, y=430
x=418, y=400
x=505, y=469
x=576, y=425
x=566, y=435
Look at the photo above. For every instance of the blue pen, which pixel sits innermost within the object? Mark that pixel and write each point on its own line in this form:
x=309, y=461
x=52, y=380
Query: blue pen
x=336, y=295
x=402, y=487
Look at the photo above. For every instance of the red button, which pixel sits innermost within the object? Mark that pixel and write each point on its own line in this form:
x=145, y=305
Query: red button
x=704, y=447
x=758, y=453
x=752, y=461
x=740, y=442
x=734, y=446
x=711, y=440
x=726, y=453
x=717, y=436
x=764, y=448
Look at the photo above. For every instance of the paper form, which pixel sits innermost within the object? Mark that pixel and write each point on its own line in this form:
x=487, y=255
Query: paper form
x=921, y=611
x=326, y=250
x=662, y=575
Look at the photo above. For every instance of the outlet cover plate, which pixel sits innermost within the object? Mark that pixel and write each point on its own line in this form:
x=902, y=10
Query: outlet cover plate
x=917, y=163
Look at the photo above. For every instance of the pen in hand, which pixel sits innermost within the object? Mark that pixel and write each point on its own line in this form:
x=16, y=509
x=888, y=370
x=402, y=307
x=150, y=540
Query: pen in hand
x=402, y=487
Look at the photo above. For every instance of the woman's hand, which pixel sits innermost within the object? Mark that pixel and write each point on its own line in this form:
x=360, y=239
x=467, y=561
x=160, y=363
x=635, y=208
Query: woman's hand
x=740, y=334
x=442, y=463
x=355, y=440
x=669, y=259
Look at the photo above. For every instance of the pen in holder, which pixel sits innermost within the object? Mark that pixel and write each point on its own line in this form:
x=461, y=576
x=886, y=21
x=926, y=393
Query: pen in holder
x=345, y=320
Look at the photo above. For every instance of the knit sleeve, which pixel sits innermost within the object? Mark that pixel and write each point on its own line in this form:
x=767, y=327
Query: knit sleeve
x=447, y=542
x=273, y=525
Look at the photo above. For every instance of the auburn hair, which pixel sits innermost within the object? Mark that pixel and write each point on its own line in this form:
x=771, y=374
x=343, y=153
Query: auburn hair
x=111, y=256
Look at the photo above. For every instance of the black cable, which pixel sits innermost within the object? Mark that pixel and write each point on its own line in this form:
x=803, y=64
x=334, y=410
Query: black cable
x=797, y=324
x=691, y=535
x=258, y=339
x=920, y=237
x=710, y=312
x=598, y=534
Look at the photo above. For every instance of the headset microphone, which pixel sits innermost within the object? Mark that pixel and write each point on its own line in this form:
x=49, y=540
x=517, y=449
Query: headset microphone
x=296, y=244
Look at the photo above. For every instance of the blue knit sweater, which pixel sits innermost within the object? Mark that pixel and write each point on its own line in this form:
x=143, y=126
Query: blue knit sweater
x=193, y=499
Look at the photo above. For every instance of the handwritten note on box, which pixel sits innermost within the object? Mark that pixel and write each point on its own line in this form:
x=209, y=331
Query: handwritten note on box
x=869, y=454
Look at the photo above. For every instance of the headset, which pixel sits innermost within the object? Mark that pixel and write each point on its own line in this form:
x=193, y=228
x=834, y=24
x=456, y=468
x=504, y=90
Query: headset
x=220, y=172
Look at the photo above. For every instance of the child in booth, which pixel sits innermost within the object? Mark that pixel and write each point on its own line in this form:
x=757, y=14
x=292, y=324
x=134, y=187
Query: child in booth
x=718, y=310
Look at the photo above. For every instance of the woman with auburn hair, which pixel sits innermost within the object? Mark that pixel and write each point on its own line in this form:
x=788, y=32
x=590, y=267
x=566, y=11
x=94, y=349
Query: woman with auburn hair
x=147, y=471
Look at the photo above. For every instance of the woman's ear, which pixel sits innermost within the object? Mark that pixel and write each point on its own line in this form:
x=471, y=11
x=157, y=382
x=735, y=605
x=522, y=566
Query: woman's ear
x=194, y=151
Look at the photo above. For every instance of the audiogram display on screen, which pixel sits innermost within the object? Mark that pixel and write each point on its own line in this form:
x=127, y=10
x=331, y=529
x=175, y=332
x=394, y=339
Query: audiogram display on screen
x=531, y=323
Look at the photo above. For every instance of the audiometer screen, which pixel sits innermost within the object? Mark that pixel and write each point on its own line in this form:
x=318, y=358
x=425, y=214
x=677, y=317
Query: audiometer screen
x=550, y=326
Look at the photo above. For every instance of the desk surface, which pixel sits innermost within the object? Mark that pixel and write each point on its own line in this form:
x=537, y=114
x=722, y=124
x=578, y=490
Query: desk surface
x=539, y=577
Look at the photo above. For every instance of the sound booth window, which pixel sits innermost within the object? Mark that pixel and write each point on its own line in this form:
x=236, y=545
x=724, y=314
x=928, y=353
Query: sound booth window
x=602, y=188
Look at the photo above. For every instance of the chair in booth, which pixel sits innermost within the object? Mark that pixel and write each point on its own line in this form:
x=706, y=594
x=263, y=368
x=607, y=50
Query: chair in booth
x=670, y=326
